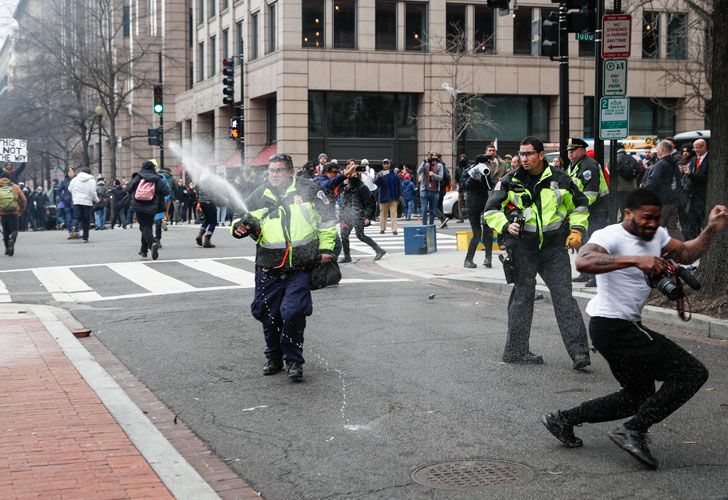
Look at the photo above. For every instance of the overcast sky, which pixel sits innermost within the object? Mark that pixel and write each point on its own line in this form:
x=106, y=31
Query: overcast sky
x=7, y=7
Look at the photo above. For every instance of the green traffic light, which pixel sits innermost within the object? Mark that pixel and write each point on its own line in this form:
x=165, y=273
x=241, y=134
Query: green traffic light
x=158, y=108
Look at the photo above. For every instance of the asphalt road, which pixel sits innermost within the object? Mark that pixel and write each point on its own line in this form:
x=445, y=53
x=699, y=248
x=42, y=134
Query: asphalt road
x=393, y=381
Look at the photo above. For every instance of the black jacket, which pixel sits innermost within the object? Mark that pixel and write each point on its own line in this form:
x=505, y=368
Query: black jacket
x=664, y=180
x=154, y=206
x=477, y=190
x=356, y=202
x=119, y=198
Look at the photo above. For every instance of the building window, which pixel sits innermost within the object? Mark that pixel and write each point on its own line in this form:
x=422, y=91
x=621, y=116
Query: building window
x=271, y=109
x=344, y=24
x=484, y=33
x=200, y=11
x=239, y=30
x=652, y=116
x=516, y=117
x=211, y=10
x=677, y=35
x=312, y=13
x=522, y=34
x=213, y=56
x=191, y=30
x=272, y=28
x=254, y=36
x=200, y=61
x=126, y=21
x=589, y=116
x=456, y=29
x=386, y=26
x=225, y=42
x=415, y=26
x=190, y=75
x=224, y=4
x=651, y=35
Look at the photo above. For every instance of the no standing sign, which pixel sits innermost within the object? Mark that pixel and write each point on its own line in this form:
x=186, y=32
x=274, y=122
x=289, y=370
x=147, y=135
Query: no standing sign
x=617, y=36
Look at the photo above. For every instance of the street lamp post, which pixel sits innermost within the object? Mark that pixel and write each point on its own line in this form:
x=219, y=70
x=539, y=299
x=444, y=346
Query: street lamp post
x=100, y=114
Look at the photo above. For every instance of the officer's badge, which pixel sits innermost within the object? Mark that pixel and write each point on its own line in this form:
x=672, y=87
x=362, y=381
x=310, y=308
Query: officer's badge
x=586, y=175
x=554, y=186
x=298, y=199
x=322, y=196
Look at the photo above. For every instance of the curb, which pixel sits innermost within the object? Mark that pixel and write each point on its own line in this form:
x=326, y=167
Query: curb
x=699, y=324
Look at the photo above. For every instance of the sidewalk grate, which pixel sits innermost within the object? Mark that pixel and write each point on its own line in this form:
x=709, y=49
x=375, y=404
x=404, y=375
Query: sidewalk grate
x=466, y=475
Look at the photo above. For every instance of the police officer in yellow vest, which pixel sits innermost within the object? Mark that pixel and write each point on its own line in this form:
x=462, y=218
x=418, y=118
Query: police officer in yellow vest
x=542, y=213
x=286, y=218
x=589, y=178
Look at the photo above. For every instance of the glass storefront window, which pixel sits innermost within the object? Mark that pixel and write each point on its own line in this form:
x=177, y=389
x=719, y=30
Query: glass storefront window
x=522, y=31
x=511, y=118
x=456, y=28
x=484, y=35
x=344, y=24
x=386, y=26
x=652, y=116
x=677, y=35
x=313, y=23
x=416, y=27
x=316, y=115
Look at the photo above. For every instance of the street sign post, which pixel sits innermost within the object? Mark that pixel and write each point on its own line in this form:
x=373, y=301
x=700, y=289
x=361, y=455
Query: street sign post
x=617, y=36
x=615, y=77
x=613, y=117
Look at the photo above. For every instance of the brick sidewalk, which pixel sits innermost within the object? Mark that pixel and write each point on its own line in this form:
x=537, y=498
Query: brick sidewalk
x=56, y=437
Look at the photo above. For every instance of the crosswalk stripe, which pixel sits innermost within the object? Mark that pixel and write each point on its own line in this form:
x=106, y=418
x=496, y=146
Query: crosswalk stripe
x=150, y=279
x=222, y=271
x=64, y=285
x=4, y=294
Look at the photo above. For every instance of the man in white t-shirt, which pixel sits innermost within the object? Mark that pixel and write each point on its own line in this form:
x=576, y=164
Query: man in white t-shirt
x=620, y=255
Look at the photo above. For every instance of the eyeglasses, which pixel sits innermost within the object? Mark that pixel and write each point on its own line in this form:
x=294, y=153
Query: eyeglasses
x=526, y=154
x=277, y=170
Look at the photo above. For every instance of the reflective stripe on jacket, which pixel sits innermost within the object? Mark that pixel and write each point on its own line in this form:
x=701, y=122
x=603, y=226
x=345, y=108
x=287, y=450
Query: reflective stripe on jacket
x=555, y=198
x=589, y=178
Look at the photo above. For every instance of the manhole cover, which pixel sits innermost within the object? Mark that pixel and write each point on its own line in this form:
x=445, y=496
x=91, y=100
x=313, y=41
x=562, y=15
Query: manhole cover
x=472, y=474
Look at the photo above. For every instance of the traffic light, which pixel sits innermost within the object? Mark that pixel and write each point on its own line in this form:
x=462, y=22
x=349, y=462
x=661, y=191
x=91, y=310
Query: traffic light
x=236, y=127
x=228, y=81
x=585, y=19
x=158, y=102
x=154, y=136
x=498, y=4
x=550, y=37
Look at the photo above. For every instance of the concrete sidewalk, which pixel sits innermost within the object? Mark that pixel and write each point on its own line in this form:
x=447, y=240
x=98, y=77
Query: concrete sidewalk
x=448, y=266
x=69, y=430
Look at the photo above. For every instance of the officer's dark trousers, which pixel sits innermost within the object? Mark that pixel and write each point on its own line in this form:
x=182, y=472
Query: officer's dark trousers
x=638, y=357
x=552, y=264
x=282, y=302
x=359, y=230
x=146, y=222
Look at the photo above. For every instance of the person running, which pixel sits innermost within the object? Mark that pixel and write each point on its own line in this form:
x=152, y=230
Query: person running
x=209, y=221
x=12, y=204
x=355, y=213
x=147, y=190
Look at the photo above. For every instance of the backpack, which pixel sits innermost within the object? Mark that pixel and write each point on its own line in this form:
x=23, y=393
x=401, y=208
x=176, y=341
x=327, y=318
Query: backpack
x=8, y=202
x=145, y=190
x=628, y=168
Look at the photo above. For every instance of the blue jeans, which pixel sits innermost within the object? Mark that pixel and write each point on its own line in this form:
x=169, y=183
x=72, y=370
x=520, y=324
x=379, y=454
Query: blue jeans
x=65, y=215
x=221, y=215
x=409, y=207
x=100, y=218
x=129, y=216
x=429, y=205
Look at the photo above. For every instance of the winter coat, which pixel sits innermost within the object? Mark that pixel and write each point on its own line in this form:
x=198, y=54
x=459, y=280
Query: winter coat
x=119, y=198
x=39, y=201
x=664, y=180
x=408, y=190
x=477, y=189
x=65, y=193
x=355, y=202
x=19, y=197
x=156, y=204
x=83, y=189
x=389, y=187
x=103, y=193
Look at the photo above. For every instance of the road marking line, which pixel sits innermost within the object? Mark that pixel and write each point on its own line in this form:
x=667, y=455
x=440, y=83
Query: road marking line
x=150, y=279
x=4, y=293
x=64, y=285
x=222, y=271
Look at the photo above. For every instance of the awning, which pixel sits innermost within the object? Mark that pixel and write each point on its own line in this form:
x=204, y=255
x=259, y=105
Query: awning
x=261, y=160
x=233, y=160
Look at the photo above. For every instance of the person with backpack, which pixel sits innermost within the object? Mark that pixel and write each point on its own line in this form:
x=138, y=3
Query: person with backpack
x=160, y=219
x=100, y=206
x=12, y=204
x=147, y=190
x=83, y=192
x=65, y=206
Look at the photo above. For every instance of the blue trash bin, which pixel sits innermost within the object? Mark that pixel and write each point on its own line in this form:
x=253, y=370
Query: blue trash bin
x=420, y=240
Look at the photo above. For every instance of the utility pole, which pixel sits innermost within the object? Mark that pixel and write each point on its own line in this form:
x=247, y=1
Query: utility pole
x=161, y=117
x=563, y=82
x=241, y=137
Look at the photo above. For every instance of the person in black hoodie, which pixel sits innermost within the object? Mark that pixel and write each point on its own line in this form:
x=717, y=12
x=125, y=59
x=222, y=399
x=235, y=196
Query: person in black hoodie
x=355, y=209
x=664, y=180
x=119, y=203
x=477, y=182
x=146, y=202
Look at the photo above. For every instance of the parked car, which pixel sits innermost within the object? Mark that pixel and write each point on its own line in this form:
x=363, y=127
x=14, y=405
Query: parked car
x=450, y=205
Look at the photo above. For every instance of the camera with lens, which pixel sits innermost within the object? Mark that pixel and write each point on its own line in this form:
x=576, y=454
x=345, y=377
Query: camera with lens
x=361, y=168
x=670, y=280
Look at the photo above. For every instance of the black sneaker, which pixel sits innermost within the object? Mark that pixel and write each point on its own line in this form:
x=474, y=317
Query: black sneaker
x=562, y=430
x=591, y=283
x=143, y=253
x=634, y=443
x=345, y=260
x=527, y=359
x=470, y=264
x=581, y=361
x=488, y=263
x=272, y=366
x=380, y=253
x=295, y=371
x=155, y=250
x=582, y=278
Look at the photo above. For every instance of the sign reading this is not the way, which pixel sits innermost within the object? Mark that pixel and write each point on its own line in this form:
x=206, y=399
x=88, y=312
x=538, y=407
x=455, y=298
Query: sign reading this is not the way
x=13, y=150
x=613, y=117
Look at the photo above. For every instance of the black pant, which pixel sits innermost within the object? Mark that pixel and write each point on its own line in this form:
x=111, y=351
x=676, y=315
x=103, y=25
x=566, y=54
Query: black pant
x=82, y=219
x=638, y=357
x=359, y=230
x=10, y=227
x=118, y=216
x=146, y=223
x=480, y=231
